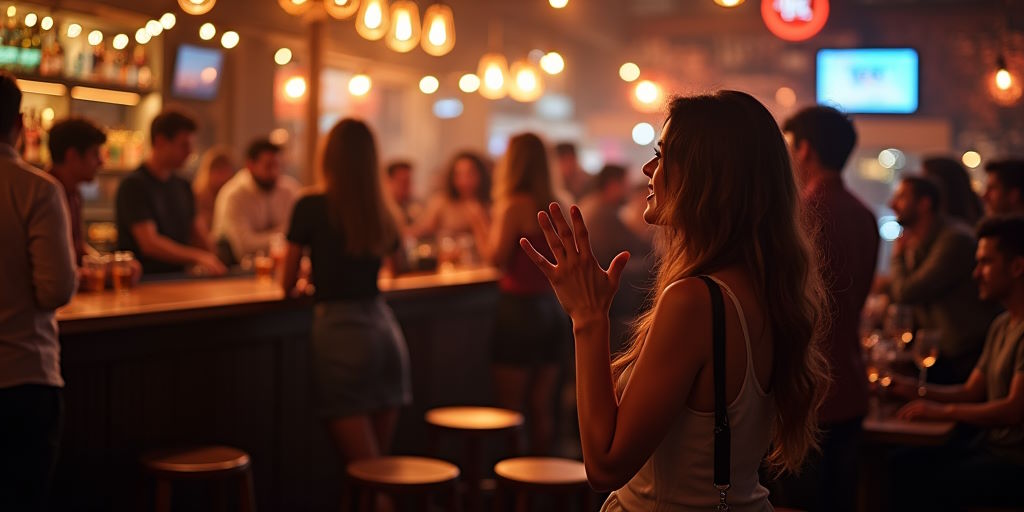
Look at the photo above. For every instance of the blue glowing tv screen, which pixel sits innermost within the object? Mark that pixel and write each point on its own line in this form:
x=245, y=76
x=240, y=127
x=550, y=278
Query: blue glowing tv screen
x=197, y=72
x=868, y=80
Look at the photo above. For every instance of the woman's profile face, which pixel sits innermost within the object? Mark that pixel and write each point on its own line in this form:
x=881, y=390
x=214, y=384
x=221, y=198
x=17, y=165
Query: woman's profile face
x=654, y=169
x=466, y=178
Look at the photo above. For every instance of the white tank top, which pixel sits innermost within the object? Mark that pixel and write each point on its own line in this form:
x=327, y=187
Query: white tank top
x=679, y=474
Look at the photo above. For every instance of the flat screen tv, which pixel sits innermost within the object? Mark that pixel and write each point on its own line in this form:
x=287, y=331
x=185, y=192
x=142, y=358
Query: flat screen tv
x=868, y=80
x=197, y=72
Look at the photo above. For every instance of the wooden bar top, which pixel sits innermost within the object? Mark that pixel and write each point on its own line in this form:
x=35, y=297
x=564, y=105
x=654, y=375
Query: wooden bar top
x=201, y=298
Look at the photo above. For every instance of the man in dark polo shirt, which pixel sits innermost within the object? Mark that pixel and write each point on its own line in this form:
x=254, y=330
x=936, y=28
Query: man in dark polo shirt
x=156, y=214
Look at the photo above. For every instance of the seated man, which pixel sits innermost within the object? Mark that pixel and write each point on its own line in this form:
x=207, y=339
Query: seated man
x=993, y=397
x=155, y=209
x=931, y=271
x=254, y=206
x=1004, y=187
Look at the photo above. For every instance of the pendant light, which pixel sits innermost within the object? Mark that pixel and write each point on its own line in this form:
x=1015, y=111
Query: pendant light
x=372, y=20
x=196, y=7
x=438, y=30
x=404, y=34
x=341, y=9
x=295, y=7
x=526, y=83
x=493, y=73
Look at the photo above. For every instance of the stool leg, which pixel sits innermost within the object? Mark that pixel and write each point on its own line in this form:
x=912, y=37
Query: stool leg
x=473, y=471
x=246, y=500
x=456, y=500
x=499, y=497
x=163, y=495
x=587, y=503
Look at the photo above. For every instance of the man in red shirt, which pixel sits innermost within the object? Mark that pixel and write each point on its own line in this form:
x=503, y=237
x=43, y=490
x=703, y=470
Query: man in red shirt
x=846, y=237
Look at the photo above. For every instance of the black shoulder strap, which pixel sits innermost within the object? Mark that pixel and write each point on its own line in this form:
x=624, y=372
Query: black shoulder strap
x=722, y=432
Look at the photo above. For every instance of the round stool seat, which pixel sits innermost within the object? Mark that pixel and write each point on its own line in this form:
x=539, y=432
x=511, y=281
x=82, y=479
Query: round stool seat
x=542, y=471
x=403, y=471
x=197, y=461
x=474, y=418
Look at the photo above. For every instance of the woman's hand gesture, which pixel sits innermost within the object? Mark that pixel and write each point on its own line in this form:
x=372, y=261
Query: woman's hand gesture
x=582, y=286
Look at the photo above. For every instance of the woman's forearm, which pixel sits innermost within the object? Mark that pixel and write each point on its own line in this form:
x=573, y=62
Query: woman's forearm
x=595, y=392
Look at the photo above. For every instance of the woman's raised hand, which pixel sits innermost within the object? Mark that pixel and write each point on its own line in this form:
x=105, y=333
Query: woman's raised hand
x=584, y=288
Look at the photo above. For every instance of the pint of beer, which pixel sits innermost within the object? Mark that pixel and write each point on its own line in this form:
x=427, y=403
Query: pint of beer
x=121, y=272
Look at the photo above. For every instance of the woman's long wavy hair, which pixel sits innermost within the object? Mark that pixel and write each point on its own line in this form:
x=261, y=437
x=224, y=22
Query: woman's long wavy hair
x=356, y=203
x=483, y=170
x=524, y=170
x=731, y=199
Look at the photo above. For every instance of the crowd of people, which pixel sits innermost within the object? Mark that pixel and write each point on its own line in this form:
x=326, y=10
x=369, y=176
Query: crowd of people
x=750, y=322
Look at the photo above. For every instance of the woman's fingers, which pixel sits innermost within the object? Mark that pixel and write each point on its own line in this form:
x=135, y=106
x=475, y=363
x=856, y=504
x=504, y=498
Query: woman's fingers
x=580, y=233
x=563, y=230
x=554, y=242
x=616, y=267
x=538, y=259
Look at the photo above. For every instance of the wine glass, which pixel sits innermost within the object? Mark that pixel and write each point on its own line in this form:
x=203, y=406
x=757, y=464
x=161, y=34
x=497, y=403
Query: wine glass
x=899, y=324
x=926, y=354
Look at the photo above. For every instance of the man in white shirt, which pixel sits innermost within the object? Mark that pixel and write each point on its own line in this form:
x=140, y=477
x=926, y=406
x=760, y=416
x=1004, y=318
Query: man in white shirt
x=253, y=208
x=37, y=276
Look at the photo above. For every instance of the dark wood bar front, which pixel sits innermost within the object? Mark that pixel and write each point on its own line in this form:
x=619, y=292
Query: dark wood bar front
x=226, y=362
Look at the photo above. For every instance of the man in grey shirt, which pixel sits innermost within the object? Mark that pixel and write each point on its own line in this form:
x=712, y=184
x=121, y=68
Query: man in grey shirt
x=37, y=276
x=989, y=471
x=931, y=271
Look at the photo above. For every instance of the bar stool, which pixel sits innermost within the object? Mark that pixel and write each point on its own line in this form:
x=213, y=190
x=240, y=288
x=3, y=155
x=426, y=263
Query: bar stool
x=397, y=475
x=527, y=476
x=472, y=424
x=211, y=463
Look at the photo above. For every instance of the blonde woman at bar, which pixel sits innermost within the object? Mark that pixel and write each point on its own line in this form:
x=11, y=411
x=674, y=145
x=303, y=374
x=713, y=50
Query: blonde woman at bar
x=359, y=359
x=725, y=202
x=215, y=169
x=530, y=334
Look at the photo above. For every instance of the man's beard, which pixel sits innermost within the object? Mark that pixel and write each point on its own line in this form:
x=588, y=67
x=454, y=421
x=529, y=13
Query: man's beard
x=265, y=185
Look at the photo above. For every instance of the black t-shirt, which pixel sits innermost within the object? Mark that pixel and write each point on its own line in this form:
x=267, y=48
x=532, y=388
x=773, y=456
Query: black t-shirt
x=170, y=204
x=337, y=274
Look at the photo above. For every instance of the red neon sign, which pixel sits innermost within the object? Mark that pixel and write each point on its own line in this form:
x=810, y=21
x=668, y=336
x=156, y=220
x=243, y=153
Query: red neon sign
x=794, y=20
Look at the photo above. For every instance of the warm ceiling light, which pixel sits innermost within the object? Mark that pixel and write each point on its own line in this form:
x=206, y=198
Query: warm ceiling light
x=558, y=4
x=279, y=136
x=196, y=7
x=47, y=23
x=647, y=92
x=971, y=159
x=404, y=34
x=95, y=37
x=469, y=83
x=526, y=83
x=1004, y=87
x=359, y=85
x=283, y=56
x=120, y=41
x=629, y=72
x=728, y=3
x=31, y=19
x=1004, y=80
x=154, y=28
x=785, y=96
x=105, y=96
x=295, y=87
x=372, y=21
x=230, y=39
x=341, y=9
x=207, y=31
x=295, y=7
x=74, y=30
x=429, y=84
x=168, y=20
x=439, y=26
x=47, y=88
x=493, y=73
x=12, y=11
x=552, y=63
x=141, y=36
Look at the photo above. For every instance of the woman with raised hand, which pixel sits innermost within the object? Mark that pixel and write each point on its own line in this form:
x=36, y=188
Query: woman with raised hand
x=736, y=286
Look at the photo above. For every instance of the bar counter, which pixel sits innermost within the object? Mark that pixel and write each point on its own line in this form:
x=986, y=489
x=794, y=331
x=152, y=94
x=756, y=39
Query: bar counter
x=225, y=361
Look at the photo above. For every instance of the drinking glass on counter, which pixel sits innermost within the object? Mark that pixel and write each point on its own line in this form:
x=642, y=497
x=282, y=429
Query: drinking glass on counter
x=264, y=266
x=900, y=324
x=926, y=354
x=94, y=271
x=122, y=272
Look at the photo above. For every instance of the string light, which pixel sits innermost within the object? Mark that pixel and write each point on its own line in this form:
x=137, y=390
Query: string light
x=360, y=85
x=295, y=87
x=168, y=20
x=31, y=19
x=341, y=9
x=552, y=63
x=526, y=83
x=469, y=83
x=154, y=28
x=120, y=41
x=196, y=7
x=47, y=23
x=429, y=84
x=404, y=34
x=295, y=7
x=283, y=56
x=207, y=31
x=439, y=26
x=728, y=3
x=372, y=21
x=629, y=72
x=558, y=4
x=74, y=30
x=95, y=37
x=493, y=71
x=230, y=39
x=142, y=37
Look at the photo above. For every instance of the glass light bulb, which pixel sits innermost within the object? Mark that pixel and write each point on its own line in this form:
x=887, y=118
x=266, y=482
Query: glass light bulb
x=440, y=28
x=1003, y=79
